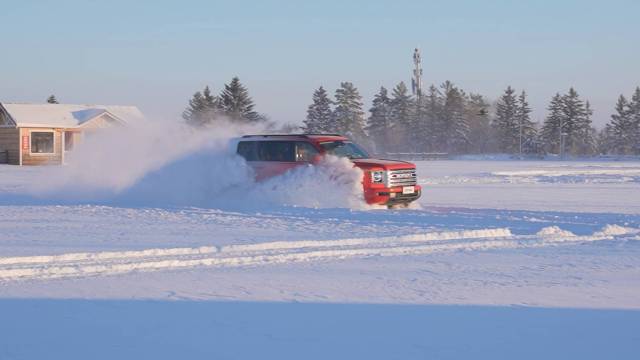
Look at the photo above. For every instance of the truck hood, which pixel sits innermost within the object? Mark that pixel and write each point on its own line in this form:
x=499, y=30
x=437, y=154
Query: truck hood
x=382, y=163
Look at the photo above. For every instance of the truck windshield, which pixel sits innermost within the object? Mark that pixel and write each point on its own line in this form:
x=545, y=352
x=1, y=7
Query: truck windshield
x=344, y=149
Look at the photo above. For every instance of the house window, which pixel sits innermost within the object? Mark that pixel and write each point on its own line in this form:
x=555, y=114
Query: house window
x=42, y=143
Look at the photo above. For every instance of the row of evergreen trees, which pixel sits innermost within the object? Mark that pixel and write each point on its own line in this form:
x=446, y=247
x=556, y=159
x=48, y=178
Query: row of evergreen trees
x=447, y=119
x=444, y=119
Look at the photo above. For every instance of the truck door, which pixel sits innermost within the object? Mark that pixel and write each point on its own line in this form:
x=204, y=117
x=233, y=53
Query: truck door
x=268, y=158
x=275, y=157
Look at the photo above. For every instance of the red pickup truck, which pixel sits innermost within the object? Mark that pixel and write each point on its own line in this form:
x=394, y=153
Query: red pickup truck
x=386, y=182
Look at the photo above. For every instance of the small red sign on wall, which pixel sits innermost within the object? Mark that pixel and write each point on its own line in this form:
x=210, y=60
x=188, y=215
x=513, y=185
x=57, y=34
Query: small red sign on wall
x=25, y=142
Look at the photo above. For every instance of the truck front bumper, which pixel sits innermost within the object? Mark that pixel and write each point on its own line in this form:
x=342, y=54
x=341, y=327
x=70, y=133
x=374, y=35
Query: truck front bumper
x=391, y=196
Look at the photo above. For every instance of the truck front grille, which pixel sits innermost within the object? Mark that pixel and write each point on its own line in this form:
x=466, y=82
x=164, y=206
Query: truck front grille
x=402, y=177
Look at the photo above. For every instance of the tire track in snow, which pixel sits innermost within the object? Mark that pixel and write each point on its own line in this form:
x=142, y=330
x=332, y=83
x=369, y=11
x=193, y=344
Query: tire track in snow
x=113, y=263
x=104, y=256
x=259, y=247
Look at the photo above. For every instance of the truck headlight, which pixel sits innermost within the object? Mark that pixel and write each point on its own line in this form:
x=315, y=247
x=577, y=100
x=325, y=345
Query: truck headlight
x=377, y=177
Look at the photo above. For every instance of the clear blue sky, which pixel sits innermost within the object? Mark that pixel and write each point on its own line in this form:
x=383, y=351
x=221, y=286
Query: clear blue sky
x=156, y=54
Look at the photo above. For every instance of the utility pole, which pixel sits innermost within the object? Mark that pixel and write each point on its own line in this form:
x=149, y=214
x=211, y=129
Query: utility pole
x=416, y=80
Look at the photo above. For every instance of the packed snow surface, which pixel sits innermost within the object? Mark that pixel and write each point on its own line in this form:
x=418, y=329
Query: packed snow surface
x=303, y=250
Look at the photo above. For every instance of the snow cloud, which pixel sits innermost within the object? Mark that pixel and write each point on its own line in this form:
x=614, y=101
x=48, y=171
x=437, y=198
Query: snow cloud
x=169, y=164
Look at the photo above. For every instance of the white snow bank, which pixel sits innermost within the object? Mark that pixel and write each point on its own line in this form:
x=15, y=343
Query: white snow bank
x=608, y=232
x=111, y=263
x=106, y=255
x=283, y=252
x=554, y=232
x=388, y=240
x=615, y=230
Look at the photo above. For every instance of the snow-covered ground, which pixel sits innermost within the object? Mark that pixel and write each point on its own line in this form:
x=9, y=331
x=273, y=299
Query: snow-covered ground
x=502, y=259
x=598, y=187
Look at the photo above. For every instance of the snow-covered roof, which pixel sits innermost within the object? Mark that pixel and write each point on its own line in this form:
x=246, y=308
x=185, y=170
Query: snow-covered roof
x=68, y=115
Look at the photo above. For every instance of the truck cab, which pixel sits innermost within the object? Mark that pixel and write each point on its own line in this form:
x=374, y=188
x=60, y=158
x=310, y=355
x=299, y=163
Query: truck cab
x=385, y=182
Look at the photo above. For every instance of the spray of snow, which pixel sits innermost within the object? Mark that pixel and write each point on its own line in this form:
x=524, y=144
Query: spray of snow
x=169, y=164
x=334, y=182
x=114, y=159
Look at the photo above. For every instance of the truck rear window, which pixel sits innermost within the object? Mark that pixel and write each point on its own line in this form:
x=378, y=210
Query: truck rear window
x=283, y=151
x=248, y=150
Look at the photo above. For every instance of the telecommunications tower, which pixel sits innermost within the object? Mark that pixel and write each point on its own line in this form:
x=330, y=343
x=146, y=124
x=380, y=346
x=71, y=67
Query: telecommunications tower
x=416, y=81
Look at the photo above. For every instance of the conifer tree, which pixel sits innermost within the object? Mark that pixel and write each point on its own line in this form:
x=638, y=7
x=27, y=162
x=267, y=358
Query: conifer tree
x=455, y=126
x=236, y=103
x=348, y=116
x=52, y=100
x=203, y=109
x=379, y=123
x=621, y=128
x=569, y=123
x=577, y=123
x=433, y=128
x=192, y=114
x=552, y=127
x=420, y=128
x=573, y=109
x=506, y=122
x=319, y=113
x=606, y=143
x=586, y=143
x=480, y=130
x=527, y=137
x=402, y=118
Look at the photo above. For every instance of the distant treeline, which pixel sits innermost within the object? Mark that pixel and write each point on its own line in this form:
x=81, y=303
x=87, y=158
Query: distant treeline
x=444, y=119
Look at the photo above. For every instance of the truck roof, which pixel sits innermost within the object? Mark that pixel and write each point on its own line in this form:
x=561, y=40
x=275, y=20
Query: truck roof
x=315, y=137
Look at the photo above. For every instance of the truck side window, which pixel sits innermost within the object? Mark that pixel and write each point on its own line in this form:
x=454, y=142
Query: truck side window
x=247, y=149
x=283, y=151
x=305, y=151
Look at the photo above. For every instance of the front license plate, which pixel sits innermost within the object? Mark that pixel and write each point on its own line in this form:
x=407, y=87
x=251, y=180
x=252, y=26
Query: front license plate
x=408, y=190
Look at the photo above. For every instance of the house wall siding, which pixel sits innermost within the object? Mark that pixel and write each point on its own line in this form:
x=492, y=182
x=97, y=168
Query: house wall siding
x=10, y=141
x=42, y=159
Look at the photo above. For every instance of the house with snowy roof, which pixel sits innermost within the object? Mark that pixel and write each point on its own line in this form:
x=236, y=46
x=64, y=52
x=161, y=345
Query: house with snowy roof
x=35, y=134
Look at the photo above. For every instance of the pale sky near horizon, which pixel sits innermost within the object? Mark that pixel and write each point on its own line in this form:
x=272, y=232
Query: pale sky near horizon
x=156, y=54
